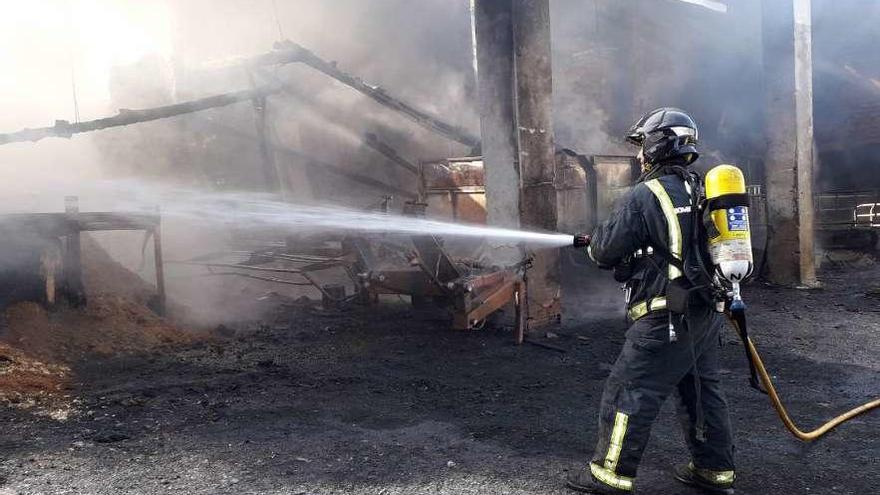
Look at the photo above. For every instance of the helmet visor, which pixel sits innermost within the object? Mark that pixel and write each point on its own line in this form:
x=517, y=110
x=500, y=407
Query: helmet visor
x=636, y=137
x=690, y=132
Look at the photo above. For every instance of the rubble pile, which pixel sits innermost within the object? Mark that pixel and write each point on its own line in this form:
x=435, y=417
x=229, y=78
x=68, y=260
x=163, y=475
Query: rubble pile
x=39, y=345
x=24, y=378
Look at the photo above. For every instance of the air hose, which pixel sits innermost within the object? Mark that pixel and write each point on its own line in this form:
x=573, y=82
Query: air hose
x=739, y=324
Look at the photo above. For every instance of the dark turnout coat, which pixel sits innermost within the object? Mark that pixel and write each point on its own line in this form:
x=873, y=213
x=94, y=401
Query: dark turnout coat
x=654, y=216
x=664, y=352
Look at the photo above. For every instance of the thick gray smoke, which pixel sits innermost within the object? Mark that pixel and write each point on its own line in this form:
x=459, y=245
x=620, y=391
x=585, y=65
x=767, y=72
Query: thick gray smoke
x=613, y=61
x=125, y=54
x=846, y=91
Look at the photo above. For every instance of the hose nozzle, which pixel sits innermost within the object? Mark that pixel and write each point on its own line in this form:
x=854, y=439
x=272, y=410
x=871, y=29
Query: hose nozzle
x=582, y=240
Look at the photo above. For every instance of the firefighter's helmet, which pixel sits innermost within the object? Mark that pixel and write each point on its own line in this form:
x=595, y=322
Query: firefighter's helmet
x=665, y=134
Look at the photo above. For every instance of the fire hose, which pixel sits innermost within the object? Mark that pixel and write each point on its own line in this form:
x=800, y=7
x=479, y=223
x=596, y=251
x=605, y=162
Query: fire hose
x=757, y=366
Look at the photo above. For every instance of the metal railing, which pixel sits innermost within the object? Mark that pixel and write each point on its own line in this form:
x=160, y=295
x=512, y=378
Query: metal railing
x=867, y=214
x=848, y=209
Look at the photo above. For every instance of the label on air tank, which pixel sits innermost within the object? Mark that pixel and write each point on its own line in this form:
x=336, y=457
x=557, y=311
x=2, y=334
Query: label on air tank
x=737, y=219
x=731, y=250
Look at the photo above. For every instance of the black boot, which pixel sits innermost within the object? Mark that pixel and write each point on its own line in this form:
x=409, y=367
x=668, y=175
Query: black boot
x=715, y=482
x=582, y=480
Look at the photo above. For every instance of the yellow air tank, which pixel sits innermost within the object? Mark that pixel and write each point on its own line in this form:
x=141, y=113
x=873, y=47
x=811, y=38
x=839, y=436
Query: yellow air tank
x=730, y=243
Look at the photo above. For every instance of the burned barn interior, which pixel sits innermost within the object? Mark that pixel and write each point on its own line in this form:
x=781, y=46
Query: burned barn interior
x=303, y=247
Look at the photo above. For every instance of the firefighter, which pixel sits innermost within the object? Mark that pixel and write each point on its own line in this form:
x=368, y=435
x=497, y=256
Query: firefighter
x=646, y=241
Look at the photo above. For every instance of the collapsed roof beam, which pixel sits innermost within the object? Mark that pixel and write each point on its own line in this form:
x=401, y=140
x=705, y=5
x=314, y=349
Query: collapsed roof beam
x=369, y=139
x=389, y=153
x=288, y=52
x=65, y=129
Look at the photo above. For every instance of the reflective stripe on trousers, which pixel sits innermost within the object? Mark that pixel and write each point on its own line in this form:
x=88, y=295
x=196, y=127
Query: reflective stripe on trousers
x=610, y=478
x=606, y=474
x=722, y=478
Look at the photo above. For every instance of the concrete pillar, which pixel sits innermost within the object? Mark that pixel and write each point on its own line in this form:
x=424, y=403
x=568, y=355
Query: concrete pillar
x=789, y=160
x=497, y=104
x=515, y=88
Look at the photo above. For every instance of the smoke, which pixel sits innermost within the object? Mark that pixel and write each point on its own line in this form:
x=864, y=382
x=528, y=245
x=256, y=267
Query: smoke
x=846, y=71
x=114, y=54
x=613, y=61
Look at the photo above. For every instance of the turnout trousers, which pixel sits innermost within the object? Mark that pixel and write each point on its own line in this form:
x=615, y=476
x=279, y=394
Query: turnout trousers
x=649, y=368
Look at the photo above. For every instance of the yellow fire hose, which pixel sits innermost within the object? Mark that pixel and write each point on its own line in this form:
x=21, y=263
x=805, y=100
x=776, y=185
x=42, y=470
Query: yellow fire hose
x=808, y=436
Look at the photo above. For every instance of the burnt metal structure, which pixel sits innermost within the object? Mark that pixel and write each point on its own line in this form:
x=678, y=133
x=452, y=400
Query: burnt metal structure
x=454, y=189
x=57, y=238
x=419, y=268
x=470, y=291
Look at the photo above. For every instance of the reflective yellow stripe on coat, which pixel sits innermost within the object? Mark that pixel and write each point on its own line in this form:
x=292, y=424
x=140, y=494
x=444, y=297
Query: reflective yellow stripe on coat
x=672, y=224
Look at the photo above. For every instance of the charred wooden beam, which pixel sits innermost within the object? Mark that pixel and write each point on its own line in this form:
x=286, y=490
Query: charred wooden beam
x=369, y=139
x=161, y=298
x=74, y=287
x=388, y=152
x=271, y=177
x=288, y=52
x=124, y=117
x=62, y=224
x=93, y=221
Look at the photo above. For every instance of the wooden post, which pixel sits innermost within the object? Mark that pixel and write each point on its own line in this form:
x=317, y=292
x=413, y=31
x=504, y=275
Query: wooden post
x=50, y=262
x=160, y=269
x=271, y=177
x=76, y=293
x=521, y=311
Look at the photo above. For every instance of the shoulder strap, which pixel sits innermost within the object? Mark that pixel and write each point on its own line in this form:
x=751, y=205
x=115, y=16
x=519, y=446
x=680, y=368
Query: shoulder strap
x=673, y=254
x=674, y=250
x=669, y=258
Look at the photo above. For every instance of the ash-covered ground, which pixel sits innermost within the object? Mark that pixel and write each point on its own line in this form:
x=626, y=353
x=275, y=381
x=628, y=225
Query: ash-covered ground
x=392, y=401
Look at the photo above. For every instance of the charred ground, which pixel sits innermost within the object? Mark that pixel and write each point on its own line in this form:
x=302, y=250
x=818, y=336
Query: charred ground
x=391, y=401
